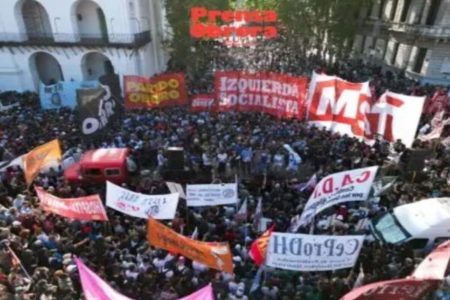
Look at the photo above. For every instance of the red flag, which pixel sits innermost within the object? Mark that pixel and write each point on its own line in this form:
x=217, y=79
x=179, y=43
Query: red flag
x=259, y=247
x=434, y=266
x=399, y=289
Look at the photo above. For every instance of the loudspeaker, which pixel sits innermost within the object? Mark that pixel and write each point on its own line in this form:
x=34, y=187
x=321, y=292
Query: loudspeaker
x=175, y=158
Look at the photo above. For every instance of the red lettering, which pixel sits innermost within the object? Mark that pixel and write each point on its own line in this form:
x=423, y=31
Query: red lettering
x=213, y=14
x=270, y=16
x=328, y=185
x=364, y=176
x=227, y=16
x=347, y=180
x=197, y=13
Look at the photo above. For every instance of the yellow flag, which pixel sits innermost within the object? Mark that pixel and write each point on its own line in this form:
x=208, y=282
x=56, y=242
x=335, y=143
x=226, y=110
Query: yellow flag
x=34, y=160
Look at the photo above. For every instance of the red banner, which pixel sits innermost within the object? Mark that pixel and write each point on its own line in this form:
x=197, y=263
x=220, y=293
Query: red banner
x=405, y=289
x=435, y=265
x=204, y=102
x=159, y=91
x=88, y=208
x=280, y=95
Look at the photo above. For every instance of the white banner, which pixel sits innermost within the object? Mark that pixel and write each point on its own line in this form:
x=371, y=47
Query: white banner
x=310, y=253
x=346, y=107
x=211, y=194
x=347, y=186
x=160, y=207
x=176, y=188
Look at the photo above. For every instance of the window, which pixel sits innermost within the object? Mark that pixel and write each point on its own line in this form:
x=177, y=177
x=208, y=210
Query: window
x=92, y=172
x=394, y=53
x=112, y=172
x=418, y=243
x=381, y=10
x=389, y=229
x=422, y=53
x=433, y=12
x=393, y=9
x=405, y=10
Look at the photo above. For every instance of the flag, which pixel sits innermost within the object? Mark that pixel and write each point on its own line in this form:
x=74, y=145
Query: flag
x=258, y=213
x=97, y=108
x=257, y=279
x=37, y=158
x=194, y=235
x=205, y=293
x=309, y=185
x=258, y=248
x=380, y=186
x=94, y=287
x=242, y=213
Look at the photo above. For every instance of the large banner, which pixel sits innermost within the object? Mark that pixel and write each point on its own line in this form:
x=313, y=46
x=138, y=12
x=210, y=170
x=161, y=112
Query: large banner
x=97, y=109
x=63, y=94
x=214, y=255
x=204, y=102
x=211, y=194
x=37, y=158
x=353, y=185
x=276, y=94
x=159, y=91
x=398, y=289
x=345, y=107
x=310, y=253
x=160, y=207
x=88, y=208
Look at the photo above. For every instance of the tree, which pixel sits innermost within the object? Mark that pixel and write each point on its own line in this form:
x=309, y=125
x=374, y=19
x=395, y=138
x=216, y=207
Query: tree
x=187, y=52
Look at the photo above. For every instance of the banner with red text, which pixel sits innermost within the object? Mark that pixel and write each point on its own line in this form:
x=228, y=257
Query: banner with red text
x=158, y=91
x=345, y=107
x=89, y=208
x=204, y=102
x=404, y=289
x=282, y=96
x=346, y=186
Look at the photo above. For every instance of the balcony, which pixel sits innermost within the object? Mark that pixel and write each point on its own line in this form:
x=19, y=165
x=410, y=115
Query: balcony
x=416, y=30
x=70, y=40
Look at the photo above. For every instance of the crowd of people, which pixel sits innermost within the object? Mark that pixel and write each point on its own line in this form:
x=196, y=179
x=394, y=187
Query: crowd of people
x=225, y=146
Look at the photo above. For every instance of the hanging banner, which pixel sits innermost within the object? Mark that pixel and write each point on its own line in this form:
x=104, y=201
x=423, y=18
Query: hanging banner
x=159, y=91
x=97, y=109
x=160, y=207
x=63, y=94
x=311, y=253
x=347, y=186
x=282, y=96
x=37, y=158
x=398, y=289
x=213, y=255
x=95, y=288
x=211, y=194
x=88, y=208
x=204, y=102
x=345, y=107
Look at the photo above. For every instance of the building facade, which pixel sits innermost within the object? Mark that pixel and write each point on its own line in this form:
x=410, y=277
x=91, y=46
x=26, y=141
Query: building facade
x=408, y=35
x=45, y=41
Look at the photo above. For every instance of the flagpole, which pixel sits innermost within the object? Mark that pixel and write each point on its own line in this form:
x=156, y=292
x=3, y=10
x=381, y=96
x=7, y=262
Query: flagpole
x=20, y=263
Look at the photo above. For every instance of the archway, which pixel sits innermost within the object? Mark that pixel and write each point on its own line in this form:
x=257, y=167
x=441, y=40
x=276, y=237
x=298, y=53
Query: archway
x=94, y=65
x=45, y=69
x=36, y=21
x=90, y=21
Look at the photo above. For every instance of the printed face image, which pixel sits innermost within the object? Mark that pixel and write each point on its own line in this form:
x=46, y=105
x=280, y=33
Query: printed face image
x=56, y=99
